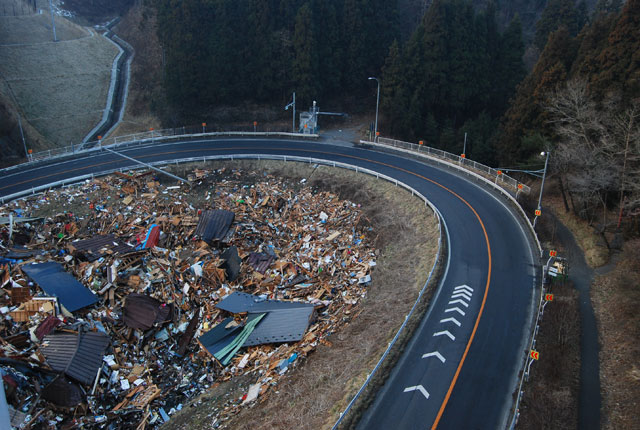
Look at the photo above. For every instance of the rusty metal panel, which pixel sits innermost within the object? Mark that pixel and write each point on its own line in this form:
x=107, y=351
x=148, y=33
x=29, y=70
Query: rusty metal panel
x=142, y=312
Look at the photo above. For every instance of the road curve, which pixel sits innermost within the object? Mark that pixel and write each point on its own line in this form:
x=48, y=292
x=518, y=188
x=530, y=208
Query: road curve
x=460, y=369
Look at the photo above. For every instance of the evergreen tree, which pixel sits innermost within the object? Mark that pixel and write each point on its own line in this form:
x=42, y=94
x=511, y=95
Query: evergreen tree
x=557, y=13
x=330, y=49
x=393, y=98
x=619, y=62
x=525, y=114
x=508, y=68
x=305, y=62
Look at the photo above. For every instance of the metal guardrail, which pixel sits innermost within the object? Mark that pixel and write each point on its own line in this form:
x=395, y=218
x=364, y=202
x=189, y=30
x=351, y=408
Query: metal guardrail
x=423, y=149
x=515, y=413
x=151, y=136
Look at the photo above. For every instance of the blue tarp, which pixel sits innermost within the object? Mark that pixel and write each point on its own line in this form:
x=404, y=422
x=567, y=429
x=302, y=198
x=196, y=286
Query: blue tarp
x=55, y=281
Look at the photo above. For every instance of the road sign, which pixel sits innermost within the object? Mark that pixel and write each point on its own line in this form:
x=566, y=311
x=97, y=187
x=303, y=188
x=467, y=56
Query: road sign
x=548, y=297
x=538, y=212
x=204, y=124
x=520, y=186
x=499, y=172
x=553, y=253
x=463, y=156
x=534, y=354
x=421, y=142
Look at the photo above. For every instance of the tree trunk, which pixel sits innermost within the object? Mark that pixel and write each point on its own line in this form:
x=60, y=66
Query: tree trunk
x=564, y=195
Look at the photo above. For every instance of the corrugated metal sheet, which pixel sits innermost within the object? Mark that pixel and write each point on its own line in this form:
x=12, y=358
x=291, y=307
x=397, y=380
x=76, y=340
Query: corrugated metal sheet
x=78, y=355
x=97, y=246
x=55, y=281
x=214, y=224
x=282, y=325
x=260, y=261
x=47, y=326
x=143, y=312
x=284, y=321
x=219, y=337
x=237, y=302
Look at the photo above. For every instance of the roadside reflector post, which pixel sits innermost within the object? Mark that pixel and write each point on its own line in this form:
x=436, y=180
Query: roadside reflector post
x=204, y=126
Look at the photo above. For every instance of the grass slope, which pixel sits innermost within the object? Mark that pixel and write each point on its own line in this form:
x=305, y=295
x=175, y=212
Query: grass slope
x=60, y=87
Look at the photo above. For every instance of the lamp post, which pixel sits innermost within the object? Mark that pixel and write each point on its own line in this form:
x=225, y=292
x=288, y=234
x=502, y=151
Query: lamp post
x=375, y=133
x=544, y=175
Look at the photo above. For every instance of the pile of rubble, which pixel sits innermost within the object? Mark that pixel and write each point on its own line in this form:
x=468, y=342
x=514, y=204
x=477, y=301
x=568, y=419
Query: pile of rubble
x=117, y=317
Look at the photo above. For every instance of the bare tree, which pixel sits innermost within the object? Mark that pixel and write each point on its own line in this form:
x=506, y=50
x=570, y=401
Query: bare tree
x=598, y=153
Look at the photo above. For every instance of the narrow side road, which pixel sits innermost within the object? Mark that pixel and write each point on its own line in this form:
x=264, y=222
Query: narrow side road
x=589, y=401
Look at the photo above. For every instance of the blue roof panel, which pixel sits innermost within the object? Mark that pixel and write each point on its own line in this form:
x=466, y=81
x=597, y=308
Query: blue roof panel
x=55, y=281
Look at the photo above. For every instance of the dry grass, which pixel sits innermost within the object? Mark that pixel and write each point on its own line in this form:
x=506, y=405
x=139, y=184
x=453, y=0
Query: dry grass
x=616, y=300
x=551, y=395
x=314, y=394
x=595, y=252
x=61, y=87
x=31, y=29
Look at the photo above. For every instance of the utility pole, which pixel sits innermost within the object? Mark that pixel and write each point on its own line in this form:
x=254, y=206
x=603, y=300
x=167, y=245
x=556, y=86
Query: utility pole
x=375, y=135
x=53, y=23
x=464, y=148
x=544, y=175
x=292, y=104
x=26, y=153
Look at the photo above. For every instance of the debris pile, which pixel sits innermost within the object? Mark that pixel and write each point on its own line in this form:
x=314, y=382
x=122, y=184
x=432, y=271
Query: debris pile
x=138, y=297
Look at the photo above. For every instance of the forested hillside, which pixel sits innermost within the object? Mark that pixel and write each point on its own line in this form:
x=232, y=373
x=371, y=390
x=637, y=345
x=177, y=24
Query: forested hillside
x=229, y=51
x=582, y=101
x=454, y=75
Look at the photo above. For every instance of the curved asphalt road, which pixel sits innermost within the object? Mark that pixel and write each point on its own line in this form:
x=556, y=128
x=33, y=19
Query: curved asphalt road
x=460, y=369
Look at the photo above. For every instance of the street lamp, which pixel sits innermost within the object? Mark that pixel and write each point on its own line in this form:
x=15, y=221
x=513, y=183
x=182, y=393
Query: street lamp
x=377, y=104
x=544, y=175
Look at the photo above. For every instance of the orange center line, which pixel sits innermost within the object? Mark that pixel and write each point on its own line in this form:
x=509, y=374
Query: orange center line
x=486, y=236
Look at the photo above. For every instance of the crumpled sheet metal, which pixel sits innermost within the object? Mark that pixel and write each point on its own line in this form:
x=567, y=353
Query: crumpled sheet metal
x=294, y=253
x=79, y=355
x=143, y=312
